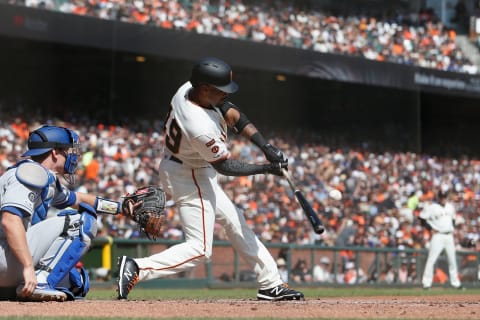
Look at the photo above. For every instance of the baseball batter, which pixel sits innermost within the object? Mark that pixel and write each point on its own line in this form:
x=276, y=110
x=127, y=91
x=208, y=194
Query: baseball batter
x=195, y=150
x=439, y=217
x=38, y=254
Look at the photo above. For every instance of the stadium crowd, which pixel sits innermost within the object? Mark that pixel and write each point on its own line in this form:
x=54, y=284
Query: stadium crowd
x=413, y=38
x=382, y=192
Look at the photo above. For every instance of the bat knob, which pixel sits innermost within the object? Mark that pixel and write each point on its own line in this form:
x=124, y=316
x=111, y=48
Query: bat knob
x=319, y=230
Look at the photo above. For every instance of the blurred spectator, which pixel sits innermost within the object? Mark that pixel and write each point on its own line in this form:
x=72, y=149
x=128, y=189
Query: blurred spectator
x=354, y=274
x=301, y=272
x=383, y=193
x=413, y=38
x=91, y=169
x=321, y=271
x=282, y=269
x=403, y=275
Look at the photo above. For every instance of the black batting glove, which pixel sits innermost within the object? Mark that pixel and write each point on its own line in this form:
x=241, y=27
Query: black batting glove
x=273, y=154
x=276, y=167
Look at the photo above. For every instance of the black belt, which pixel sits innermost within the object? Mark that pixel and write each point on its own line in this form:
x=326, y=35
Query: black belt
x=173, y=158
x=442, y=232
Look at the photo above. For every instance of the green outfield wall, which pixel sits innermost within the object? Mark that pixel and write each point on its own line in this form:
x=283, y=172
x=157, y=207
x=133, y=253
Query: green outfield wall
x=372, y=266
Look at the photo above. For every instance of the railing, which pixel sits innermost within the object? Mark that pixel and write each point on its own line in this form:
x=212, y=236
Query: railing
x=367, y=266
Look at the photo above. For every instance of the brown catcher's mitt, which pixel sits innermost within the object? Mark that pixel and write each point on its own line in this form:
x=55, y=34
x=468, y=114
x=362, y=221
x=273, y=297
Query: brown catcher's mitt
x=146, y=207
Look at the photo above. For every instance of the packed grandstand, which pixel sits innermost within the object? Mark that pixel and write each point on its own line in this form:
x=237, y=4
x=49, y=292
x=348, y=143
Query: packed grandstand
x=412, y=38
x=383, y=192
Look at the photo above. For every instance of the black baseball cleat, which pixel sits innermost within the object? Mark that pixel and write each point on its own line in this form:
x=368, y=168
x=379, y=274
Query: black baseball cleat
x=127, y=276
x=278, y=293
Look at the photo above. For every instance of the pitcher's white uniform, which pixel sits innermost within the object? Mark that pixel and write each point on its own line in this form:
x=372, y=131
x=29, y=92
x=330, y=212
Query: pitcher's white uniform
x=196, y=137
x=440, y=218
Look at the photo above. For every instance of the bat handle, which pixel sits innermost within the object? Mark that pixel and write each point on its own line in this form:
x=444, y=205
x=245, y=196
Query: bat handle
x=289, y=178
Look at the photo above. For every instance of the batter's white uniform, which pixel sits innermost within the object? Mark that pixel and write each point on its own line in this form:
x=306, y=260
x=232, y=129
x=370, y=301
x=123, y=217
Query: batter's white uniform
x=196, y=137
x=440, y=218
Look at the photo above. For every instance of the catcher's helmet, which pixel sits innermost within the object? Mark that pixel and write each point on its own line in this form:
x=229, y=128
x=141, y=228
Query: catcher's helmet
x=46, y=138
x=215, y=72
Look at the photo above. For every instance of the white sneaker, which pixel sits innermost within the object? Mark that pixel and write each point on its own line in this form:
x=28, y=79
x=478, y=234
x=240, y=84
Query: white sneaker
x=42, y=292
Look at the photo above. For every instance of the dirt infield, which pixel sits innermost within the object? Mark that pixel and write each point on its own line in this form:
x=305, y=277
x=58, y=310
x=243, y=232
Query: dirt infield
x=431, y=307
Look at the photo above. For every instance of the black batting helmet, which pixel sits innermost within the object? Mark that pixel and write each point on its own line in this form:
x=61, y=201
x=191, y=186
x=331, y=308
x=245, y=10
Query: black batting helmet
x=214, y=72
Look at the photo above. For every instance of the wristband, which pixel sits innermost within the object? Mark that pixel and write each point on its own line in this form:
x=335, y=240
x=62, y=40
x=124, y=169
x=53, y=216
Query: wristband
x=259, y=140
x=102, y=205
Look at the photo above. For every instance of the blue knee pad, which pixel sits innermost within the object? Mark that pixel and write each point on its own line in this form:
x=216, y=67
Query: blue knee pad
x=75, y=246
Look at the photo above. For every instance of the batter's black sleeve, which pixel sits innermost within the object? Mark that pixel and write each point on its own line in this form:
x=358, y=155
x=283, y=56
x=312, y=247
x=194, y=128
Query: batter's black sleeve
x=425, y=224
x=237, y=168
x=242, y=122
x=231, y=167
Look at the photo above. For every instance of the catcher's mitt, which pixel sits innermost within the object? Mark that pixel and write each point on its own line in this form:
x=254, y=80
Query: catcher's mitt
x=468, y=243
x=146, y=207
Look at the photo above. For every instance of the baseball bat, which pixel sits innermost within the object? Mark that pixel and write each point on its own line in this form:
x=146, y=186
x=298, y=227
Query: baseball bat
x=312, y=216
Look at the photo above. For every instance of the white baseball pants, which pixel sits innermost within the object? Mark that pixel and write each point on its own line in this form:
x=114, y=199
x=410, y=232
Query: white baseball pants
x=200, y=201
x=439, y=242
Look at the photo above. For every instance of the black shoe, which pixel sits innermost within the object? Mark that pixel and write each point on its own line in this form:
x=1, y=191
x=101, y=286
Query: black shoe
x=281, y=292
x=127, y=276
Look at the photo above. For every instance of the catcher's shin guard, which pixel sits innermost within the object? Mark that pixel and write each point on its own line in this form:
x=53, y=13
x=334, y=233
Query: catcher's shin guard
x=69, y=247
x=76, y=285
x=127, y=276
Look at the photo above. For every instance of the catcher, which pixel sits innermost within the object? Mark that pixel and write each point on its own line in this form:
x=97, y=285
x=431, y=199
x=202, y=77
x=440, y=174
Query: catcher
x=39, y=251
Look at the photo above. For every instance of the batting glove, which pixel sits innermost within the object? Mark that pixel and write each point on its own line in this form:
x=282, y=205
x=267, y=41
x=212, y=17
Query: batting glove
x=276, y=167
x=273, y=154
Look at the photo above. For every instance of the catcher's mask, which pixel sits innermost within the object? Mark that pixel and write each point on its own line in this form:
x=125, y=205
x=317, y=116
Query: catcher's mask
x=46, y=138
x=214, y=72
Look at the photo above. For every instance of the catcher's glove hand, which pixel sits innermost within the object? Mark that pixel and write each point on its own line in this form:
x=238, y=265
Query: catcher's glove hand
x=146, y=207
x=468, y=243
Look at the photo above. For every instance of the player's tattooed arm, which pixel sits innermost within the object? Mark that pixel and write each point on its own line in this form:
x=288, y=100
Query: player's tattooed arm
x=232, y=167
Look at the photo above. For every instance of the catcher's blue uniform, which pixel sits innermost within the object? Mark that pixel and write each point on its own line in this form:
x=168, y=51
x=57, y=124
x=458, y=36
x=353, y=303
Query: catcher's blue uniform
x=57, y=237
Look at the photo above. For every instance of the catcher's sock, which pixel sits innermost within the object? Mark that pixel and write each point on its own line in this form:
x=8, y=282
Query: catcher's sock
x=42, y=292
x=281, y=292
x=127, y=276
